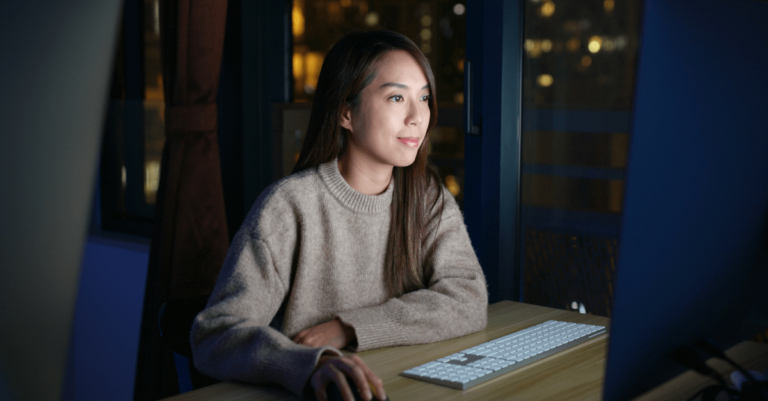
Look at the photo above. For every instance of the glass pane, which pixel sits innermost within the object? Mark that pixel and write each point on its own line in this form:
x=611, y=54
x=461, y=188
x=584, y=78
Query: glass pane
x=447, y=153
x=154, y=101
x=578, y=86
x=135, y=128
x=437, y=26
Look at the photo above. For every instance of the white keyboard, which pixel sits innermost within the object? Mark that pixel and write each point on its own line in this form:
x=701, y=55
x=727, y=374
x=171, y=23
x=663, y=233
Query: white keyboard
x=478, y=364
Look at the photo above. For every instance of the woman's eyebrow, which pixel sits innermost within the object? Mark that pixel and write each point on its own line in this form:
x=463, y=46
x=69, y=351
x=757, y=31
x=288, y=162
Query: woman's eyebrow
x=401, y=86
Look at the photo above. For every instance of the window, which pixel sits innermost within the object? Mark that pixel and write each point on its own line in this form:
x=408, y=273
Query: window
x=578, y=86
x=134, y=131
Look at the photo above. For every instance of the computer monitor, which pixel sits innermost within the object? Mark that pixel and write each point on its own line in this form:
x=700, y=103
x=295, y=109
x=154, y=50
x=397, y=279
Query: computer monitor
x=54, y=72
x=693, y=249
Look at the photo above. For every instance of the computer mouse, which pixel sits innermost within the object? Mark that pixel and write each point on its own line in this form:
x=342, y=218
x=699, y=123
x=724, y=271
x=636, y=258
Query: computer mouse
x=334, y=394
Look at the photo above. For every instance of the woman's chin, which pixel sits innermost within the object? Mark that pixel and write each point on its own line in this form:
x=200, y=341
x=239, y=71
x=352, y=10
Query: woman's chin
x=404, y=162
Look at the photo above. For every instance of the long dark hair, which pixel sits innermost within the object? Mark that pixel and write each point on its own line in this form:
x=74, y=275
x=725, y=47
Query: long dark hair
x=347, y=70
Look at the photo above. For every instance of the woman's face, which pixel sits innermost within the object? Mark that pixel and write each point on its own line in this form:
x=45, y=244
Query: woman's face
x=393, y=115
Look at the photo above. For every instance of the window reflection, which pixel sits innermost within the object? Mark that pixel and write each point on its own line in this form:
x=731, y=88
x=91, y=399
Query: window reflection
x=578, y=85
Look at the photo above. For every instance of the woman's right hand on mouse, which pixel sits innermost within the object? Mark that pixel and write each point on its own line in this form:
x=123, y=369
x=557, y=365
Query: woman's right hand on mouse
x=338, y=369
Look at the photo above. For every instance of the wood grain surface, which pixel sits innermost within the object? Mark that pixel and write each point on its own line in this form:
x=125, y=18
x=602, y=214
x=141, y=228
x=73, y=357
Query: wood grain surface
x=574, y=374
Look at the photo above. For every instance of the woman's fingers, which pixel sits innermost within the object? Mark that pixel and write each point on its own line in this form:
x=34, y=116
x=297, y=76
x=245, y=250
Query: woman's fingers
x=375, y=381
x=345, y=372
x=318, y=384
x=351, y=367
x=342, y=384
x=329, y=373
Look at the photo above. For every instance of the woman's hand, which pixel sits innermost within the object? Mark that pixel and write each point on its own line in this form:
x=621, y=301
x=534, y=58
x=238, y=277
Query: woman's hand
x=333, y=333
x=339, y=370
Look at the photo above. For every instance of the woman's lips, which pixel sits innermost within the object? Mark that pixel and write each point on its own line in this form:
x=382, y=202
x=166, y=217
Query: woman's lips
x=413, y=142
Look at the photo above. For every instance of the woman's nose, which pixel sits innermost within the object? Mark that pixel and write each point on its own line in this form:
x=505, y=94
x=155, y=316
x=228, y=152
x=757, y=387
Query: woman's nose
x=415, y=114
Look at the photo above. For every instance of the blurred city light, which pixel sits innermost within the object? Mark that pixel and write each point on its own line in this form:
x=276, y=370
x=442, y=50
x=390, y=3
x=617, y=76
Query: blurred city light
x=595, y=42
x=547, y=9
x=573, y=44
x=298, y=65
x=546, y=45
x=151, y=180
x=298, y=19
x=312, y=63
x=452, y=185
x=371, y=19
x=545, y=80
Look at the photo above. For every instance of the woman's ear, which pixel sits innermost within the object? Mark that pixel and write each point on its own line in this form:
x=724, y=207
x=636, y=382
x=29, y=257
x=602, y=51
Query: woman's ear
x=346, y=117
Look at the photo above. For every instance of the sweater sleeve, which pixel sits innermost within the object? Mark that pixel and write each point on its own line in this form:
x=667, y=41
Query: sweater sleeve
x=231, y=339
x=455, y=302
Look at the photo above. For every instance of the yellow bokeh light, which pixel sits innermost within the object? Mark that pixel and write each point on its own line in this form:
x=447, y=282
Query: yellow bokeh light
x=346, y=3
x=452, y=185
x=586, y=61
x=546, y=45
x=573, y=44
x=595, y=43
x=426, y=48
x=547, y=9
x=151, y=180
x=608, y=5
x=545, y=80
x=529, y=44
x=314, y=61
x=298, y=66
x=371, y=19
x=298, y=19
x=609, y=45
x=460, y=66
x=533, y=48
x=426, y=20
x=426, y=34
x=155, y=92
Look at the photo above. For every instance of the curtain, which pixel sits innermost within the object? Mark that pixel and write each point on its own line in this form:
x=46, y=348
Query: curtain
x=190, y=237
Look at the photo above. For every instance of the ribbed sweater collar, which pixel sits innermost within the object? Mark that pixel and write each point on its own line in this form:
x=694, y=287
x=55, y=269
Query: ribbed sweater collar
x=348, y=196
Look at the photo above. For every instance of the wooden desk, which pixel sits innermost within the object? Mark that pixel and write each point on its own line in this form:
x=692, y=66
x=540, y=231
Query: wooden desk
x=575, y=374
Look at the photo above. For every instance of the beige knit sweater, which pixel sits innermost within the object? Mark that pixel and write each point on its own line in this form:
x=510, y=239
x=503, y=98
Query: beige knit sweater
x=311, y=249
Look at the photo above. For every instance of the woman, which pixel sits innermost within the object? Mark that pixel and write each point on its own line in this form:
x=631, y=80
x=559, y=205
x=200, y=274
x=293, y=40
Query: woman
x=361, y=247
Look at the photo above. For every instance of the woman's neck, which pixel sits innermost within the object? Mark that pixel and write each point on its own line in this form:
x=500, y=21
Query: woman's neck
x=364, y=176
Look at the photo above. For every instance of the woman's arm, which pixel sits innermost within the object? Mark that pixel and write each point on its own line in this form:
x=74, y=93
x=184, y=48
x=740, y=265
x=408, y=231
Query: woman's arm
x=455, y=302
x=231, y=339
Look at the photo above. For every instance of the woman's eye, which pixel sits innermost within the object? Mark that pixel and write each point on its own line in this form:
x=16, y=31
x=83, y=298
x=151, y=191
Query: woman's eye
x=397, y=98
x=425, y=98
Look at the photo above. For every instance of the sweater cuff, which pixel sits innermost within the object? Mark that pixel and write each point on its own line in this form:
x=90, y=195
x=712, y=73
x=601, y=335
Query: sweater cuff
x=292, y=370
x=373, y=327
